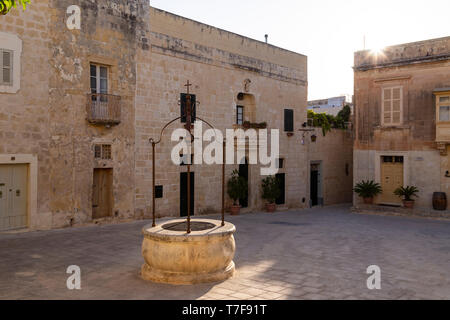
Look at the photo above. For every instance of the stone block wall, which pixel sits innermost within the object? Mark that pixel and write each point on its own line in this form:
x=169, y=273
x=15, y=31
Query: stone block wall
x=419, y=68
x=334, y=151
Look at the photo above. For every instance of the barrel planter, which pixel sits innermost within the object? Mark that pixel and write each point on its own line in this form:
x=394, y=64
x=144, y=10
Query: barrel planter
x=439, y=201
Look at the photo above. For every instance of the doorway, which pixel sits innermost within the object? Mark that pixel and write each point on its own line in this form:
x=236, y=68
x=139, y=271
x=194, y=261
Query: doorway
x=102, y=194
x=13, y=196
x=315, y=185
x=391, y=178
x=281, y=178
x=184, y=193
x=243, y=172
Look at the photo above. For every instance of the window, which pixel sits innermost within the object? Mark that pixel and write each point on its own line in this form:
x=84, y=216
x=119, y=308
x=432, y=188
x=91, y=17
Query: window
x=288, y=120
x=159, y=191
x=103, y=151
x=99, y=79
x=183, y=101
x=10, y=56
x=240, y=115
x=392, y=159
x=280, y=163
x=392, y=106
x=6, y=67
x=444, y=108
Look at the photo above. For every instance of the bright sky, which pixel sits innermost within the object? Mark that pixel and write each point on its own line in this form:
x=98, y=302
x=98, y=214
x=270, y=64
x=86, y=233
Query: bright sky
x=327, y=31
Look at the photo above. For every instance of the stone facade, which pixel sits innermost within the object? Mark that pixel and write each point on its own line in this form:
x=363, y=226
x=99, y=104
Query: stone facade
x=418, y=70
x=334, y=153
x=149, y=55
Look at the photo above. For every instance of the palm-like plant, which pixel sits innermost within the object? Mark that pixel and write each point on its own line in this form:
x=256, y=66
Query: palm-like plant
x=7, y=5
x=407, y=192
x=367, y=189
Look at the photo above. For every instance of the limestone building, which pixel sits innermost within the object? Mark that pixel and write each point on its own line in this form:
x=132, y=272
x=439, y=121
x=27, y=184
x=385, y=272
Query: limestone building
x=79, y=105
x=401, y=119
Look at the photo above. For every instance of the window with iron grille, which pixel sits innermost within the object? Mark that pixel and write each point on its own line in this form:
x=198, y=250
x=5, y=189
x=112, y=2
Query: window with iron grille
x=240, y=115
x=6, y=67
x=103, y=151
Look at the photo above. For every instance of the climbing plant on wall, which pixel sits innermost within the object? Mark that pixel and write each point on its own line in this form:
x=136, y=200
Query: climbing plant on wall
x=328, y=122
x=7, y=5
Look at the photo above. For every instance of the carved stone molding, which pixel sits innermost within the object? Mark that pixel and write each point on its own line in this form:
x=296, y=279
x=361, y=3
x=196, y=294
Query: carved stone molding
x=442, y=147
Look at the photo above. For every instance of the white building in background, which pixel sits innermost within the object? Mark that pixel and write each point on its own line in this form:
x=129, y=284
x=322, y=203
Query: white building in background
x=330, y=106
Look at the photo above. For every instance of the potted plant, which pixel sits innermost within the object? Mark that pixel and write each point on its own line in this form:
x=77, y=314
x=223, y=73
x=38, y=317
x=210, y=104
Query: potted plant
x=237, y=188
x=407, y=193
x=270, y=192
x=368, y=190
x=247, y=124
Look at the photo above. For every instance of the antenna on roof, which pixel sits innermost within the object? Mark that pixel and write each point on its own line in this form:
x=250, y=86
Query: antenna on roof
x=267, y=38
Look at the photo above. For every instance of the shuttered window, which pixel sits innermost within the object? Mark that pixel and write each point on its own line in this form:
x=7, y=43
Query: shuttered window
x=183, y=101
x=444, y=108
x=288, y=120
x=6, y=67
x=392, y=111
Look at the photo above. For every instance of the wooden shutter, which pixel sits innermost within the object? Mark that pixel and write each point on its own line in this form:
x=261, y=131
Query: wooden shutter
x=6, y=64
x=288, y=120
x=392, y=106
x=183, y=99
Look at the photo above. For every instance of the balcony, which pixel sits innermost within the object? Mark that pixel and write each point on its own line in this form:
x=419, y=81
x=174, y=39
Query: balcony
x=103, y=109
x=442, y=119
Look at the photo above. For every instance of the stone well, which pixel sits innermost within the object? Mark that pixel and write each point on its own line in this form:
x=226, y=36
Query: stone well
x=175, y=257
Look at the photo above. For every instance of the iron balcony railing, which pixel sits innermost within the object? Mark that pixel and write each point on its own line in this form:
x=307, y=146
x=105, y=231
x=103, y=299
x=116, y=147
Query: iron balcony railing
x=103, y=109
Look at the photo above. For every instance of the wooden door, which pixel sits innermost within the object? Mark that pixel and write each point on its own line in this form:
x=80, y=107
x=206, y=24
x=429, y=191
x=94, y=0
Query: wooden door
x=184, y=193
x=13, y=196
x=281, y=178
x=243, y=172
x=102, y=194
x=314, y=188
x=391, y=179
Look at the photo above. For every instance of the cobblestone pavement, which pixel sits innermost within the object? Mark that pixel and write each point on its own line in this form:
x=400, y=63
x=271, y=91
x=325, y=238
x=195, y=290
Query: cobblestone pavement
x=312, y=254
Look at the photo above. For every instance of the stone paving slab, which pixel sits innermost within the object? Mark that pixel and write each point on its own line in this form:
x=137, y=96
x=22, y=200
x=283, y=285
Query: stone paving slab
x=311, y=254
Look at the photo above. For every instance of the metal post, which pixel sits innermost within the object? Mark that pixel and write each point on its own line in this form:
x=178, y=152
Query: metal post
x=189, y=197
x=223, y=185
x=153, y=182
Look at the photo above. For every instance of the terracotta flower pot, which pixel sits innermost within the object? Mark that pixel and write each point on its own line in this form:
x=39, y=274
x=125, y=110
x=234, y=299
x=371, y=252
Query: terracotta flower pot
x=368, y=200
x=235, y=210
x=271, y=207
x=409, y=204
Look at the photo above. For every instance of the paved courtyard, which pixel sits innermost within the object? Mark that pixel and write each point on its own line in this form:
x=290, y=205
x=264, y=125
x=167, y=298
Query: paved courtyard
x=312, y=254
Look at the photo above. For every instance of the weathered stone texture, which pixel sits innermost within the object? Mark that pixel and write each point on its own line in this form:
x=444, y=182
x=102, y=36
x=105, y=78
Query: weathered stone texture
x=150, y=54
x=419, y=68
x=218, y=63
x=335, y=153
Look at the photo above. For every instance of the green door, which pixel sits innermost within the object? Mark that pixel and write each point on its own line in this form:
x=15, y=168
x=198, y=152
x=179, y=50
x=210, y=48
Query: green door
x=13, y=196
